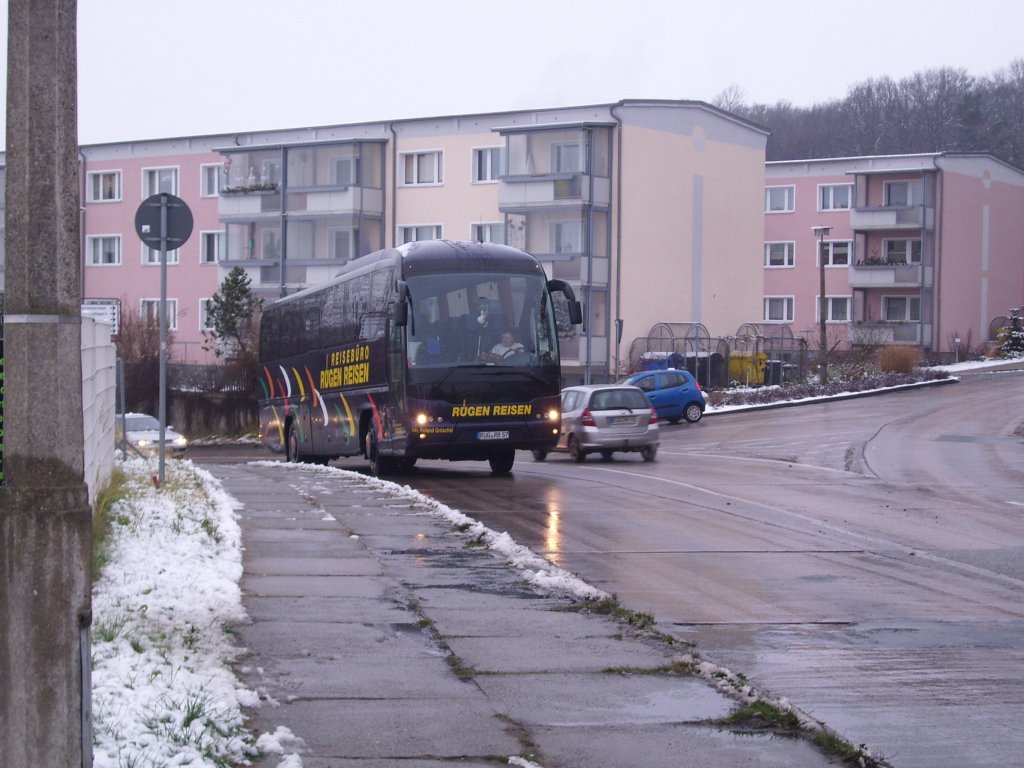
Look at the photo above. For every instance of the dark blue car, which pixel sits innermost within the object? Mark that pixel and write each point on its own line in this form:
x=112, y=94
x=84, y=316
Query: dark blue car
x=674, y=393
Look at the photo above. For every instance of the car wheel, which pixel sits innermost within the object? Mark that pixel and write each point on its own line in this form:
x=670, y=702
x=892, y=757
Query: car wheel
x=649, y=452
x=501, y=463
x=607, y=455
x=539, y=455
x=576, y=450
x=693, y=413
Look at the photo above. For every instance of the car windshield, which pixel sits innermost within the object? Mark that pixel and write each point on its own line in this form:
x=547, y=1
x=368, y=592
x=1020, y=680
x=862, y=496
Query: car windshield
x=140, y=423
x=617, y=398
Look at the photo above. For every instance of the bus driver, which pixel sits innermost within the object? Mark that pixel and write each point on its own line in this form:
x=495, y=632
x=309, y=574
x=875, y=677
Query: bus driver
x=506, y=347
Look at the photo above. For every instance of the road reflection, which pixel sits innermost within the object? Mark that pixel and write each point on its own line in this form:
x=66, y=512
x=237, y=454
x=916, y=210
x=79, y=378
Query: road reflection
x=553, y=532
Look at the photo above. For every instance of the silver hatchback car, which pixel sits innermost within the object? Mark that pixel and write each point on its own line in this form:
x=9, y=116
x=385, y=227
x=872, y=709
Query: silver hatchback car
x=605, y=418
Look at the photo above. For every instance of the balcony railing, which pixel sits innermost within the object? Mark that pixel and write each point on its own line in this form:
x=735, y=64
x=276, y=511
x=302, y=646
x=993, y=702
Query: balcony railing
x=882, y=274
x=557, y=189
x=888, y=217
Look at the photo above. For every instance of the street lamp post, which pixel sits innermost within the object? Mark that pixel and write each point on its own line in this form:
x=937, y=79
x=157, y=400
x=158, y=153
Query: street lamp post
x=821, y=233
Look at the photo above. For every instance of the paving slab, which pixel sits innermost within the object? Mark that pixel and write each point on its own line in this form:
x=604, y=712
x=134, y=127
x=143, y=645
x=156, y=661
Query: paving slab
x=403, y=728
x=671, y=746
x=298, y=585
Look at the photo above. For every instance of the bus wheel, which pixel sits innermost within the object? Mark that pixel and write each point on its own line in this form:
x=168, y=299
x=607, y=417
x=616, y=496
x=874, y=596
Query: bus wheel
x=379, y=465
x=291, y=443
x=501, y=463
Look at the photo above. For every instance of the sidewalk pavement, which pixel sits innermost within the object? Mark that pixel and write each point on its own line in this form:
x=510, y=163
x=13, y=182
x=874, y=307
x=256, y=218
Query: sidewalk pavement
x=380, y=636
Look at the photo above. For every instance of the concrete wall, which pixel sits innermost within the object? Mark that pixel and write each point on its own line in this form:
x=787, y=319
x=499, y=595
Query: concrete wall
x=99, y=383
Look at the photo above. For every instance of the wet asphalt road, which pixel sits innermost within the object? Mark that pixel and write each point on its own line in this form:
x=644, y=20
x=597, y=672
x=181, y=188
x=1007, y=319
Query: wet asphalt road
x=864, y=559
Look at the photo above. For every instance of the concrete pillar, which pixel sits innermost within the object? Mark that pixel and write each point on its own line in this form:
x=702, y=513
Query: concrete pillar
x=45, y=518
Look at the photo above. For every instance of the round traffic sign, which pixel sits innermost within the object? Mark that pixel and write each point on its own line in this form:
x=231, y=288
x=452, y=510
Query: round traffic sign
x=179, y=221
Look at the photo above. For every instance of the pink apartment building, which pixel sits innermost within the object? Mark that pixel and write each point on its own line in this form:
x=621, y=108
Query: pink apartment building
x=921, y=249
x=120, y=275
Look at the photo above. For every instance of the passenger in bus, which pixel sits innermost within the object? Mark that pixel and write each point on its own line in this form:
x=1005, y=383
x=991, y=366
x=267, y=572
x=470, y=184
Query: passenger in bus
x=507, y=347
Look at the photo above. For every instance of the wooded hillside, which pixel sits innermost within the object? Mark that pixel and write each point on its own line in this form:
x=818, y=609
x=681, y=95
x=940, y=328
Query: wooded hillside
x=938, y=110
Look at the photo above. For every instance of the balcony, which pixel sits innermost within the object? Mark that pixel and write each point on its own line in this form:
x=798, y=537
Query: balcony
x=890, y=275
x=518, y=193
x=871, y=334
x=336, y=201
x=251, y=201
x=892, y=218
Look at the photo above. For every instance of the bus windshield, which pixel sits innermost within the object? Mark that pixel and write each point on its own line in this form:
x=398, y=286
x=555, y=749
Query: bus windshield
x=467, y=319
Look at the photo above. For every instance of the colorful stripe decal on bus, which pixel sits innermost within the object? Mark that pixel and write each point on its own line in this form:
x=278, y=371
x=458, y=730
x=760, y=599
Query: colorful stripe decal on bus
x=376, y=416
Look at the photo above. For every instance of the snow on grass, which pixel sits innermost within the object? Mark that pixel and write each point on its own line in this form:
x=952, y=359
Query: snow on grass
x=163, y=692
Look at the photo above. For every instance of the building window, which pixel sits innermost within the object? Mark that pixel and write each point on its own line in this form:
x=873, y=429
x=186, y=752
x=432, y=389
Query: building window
x=211, y=247
x=210, y=178
x=103, y=250
x=344, y=171
x=489, y=233
x=836, y=253
x=270, y=244
x=152, y=255
x=103, y=186
x=837, y=309
x=487, y=164
x=567, y=158
x=158, y=180
x=341, y=243
x=149, y=311
x=835, y=197
x=903, y=251
x=779, y=199
x=566, y=237
x=901, y=309
x=899, y=194
x=204, y=315
x=779, y=254
x=778, y=309
x=419, y=232
x=422, y=168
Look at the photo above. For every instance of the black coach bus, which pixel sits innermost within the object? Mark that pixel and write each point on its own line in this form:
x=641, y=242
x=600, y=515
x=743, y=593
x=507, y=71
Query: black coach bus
x=435, y=349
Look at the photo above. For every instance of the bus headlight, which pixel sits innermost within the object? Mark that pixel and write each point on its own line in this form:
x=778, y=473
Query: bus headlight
x=422, y=419
x=553, y=415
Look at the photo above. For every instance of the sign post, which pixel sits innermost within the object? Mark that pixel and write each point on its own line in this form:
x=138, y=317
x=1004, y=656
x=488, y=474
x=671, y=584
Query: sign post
x=163, y=221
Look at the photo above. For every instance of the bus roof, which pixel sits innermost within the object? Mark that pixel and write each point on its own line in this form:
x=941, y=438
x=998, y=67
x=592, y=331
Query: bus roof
x=464, y=256
x=430, y=256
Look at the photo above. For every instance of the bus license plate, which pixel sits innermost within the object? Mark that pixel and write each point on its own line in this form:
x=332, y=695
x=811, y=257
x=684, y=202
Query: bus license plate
x=496, y=435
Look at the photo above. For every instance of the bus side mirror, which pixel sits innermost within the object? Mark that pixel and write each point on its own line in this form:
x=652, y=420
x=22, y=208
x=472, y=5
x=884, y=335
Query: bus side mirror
x=575, y=313
x=575, y=308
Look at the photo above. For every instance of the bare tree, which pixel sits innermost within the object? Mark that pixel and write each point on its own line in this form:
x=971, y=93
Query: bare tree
x=732, y=99
x=138, y=345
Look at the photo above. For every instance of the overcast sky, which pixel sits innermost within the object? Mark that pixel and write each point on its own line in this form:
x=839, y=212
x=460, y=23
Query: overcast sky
x=162, y=68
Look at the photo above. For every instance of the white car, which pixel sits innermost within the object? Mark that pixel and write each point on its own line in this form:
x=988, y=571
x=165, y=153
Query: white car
x=143, y=433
